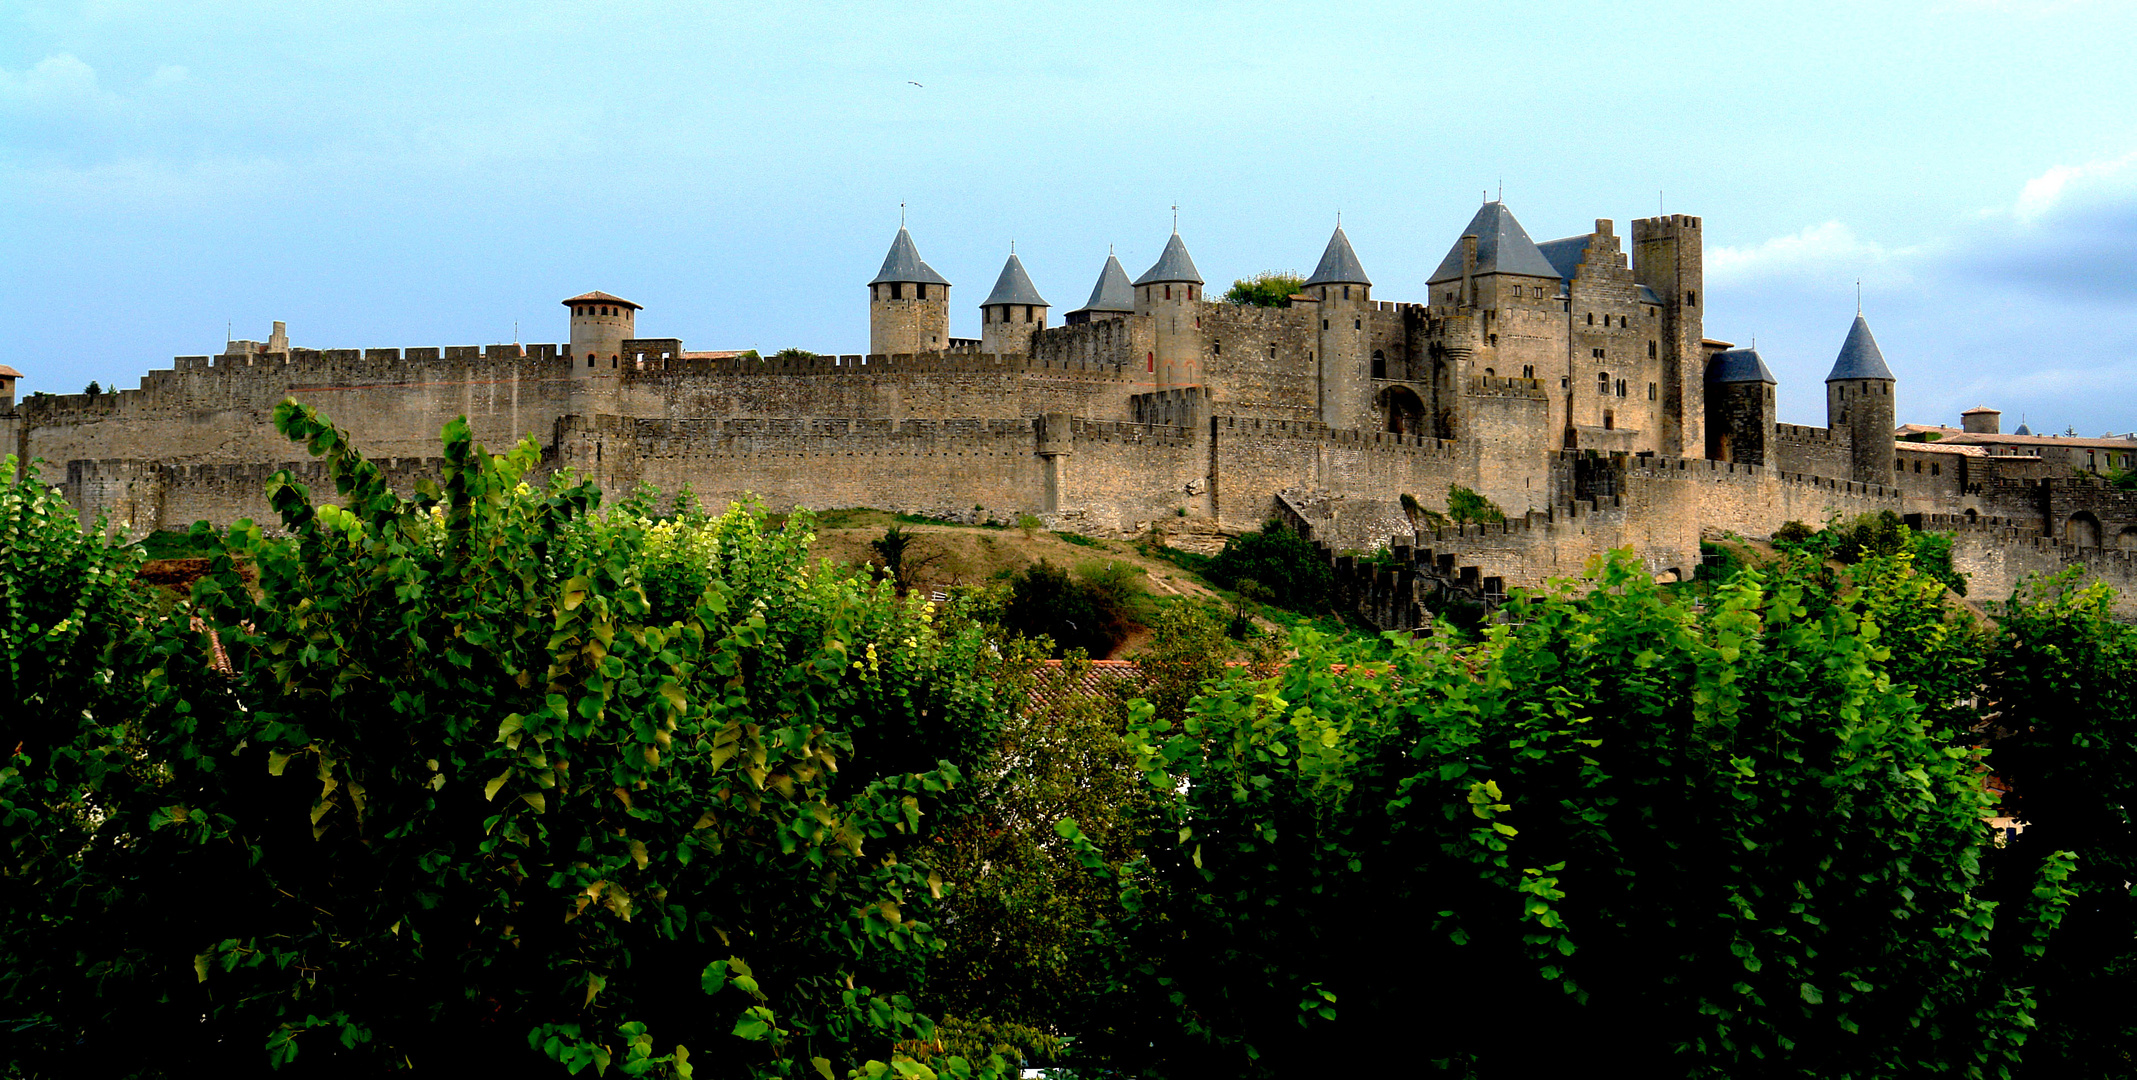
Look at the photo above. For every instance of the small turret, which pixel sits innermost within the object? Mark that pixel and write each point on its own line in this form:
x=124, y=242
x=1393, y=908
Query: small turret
x=600, y=323
x=1168, y=293
x=1342, y=288
x=1740, y=409
x=908, y=303
x=1982, y=420
x=1012, y=312
x=8, y=376
x=1112, y=298
x=1858, y=399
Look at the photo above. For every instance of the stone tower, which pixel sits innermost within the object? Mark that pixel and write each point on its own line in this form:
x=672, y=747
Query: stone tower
x=1343, y=290
x=1858, y=400
x=1170, y=293
x=1740, y=409
x=599, y=325
x=1981, y=420
x=908, y=303
x=1112, y=298
x=1012, y=312
x=1669, y=258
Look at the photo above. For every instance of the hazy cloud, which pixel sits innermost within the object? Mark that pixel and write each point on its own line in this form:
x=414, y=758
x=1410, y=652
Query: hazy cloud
x=2071, y=233
x=1830, y=252
x=56, y=85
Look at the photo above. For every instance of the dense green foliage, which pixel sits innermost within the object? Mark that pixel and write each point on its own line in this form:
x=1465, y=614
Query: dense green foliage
x=1084, y=611
x=2064, y=694
x=461, y=802
x=1881, y=534
x=1270, y=288
x=1465, y=507
x=1627, y=829
x=1287, y=565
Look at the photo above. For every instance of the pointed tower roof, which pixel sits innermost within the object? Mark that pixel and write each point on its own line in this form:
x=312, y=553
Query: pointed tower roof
x=904, y=264
x=1738, y=366
x=1503, y=247
x=1113, y=291
x=1173, y=265
x=1859, y=357
x=1014, y=286
x=1339, y=264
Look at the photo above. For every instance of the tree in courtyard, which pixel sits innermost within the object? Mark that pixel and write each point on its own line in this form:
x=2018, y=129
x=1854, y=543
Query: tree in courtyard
x=1270, y=288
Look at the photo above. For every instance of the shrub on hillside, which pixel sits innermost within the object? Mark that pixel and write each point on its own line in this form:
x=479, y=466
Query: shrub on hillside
x=1288, y=565
x=1085, y=611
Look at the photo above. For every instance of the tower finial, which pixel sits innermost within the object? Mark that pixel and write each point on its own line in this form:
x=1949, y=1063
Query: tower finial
x=1012, y=245
x=1502, y=189
x=901, y=215
x=1176, y=217
x=1858, y=298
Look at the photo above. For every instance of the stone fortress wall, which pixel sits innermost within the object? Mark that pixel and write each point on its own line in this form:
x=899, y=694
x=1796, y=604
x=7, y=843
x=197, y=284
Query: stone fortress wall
x=1567, y=382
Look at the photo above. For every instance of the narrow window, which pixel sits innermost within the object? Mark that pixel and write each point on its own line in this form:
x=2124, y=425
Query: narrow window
x=1168, y=292
x=1150, y=361
x=1591, y=318
x=897, y=290
x=1898, y=465
x=1380, y=364
x=1528, y=371
x=1216, y=348
x=1691, y=299
x=1597, y=353
x=1650, y=350
x=920, y=291
x=1936, y=469
x=1610, y=420
x=1346, y=292
x=1357, y=324
x=1621, y=322
x=1272, y=350
x=1324, y=324
x=589, y=361
x=1495, y=339
x=1602, y=383
x=1650, y=391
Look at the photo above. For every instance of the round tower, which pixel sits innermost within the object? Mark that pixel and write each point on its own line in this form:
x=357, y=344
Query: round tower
x=1170, y=294
x=1012, y=312
x=1858, y=400
x=1345, y=295
x=908, y=303
x=600, y=324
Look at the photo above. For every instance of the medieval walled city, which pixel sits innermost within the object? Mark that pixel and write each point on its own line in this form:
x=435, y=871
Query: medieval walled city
x=1571, y=382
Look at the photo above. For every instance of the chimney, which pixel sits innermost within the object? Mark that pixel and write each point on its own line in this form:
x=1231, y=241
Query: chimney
x=1469, y=269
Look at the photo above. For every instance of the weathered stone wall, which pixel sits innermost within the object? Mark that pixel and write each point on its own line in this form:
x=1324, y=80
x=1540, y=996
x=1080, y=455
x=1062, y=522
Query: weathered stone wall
x=938, y=386
x=1996, y=555
x=139, y=497
x=1817, y=451
x=219, y=410
x=1260, y=361
x=1506, y=443
x=1252, y=459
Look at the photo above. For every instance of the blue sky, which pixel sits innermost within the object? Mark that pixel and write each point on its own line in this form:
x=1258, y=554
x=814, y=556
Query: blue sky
x=400, y=174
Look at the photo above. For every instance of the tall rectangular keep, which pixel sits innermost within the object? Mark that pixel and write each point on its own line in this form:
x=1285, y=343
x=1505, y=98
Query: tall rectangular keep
x=1668, y=258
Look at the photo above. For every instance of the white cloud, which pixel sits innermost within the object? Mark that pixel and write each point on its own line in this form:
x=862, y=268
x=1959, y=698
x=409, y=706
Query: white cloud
x=59, y=83
x=2067, y=187
x=1830, y=251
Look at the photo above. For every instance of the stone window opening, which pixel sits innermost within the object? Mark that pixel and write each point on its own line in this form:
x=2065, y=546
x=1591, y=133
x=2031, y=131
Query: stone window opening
x=1610, y=420
x=1650, y=350
x=1168, y=292
x=1357, y=324
x=1216, y=348
x=1488, y=373
x=1597, y=353
x=1528, y=371
x=897, y=290
x=1917, y=466
x=1591, y=318
x=1324, y=324
x=1898, y=465
x=1621, y=388
x=1494, y=339
x=1936, y=469
x=1622, y=324
x=1650, y=391
x=1691, y=299
x=1272, y=350
x=1380, y=364
x=1027, y=313
x=1346, y=292
x=1602, y=383
x=589, y=360
x=1150, y=361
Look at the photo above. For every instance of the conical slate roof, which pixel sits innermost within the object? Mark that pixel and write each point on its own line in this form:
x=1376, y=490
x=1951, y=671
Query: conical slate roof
x=1113, y=292
x=1503, y=247
x=1173, y=265
x=1339, y=264
x=1014, y=286
x=1736, y=366
x=904, y=263
x=1859, y=358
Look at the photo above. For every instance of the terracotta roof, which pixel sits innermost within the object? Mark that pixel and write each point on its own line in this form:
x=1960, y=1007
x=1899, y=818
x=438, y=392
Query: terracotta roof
x=714, y=354
x=598, y=297
x=7, y=372
x=1942, y=448
x=1979, y=439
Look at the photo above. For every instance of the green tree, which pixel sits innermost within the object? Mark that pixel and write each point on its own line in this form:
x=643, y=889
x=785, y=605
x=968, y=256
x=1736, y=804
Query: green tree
x=1623, y=827
x=792, y=353
x=1270, y=288
x=1294, y=571
x=2062, y=691
x=457, y=801
x=1086, y=611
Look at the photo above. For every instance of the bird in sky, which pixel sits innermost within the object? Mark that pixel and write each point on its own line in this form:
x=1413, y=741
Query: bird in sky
x=916, y=84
